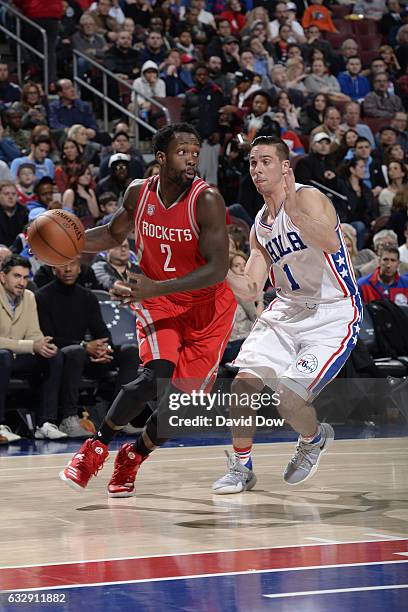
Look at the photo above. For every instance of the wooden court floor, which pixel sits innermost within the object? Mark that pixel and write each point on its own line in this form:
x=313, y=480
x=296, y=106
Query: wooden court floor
x=360, y=493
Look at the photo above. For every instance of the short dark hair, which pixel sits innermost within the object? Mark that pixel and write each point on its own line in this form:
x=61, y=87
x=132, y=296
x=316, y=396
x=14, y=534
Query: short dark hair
x=353, y=57
x=106, y=197
x=37, y=140
x=390, y=248
x=362, y=139
x=282, y=149
x=13, y=262
x=117, y=134
x=164, y=136
x=45, y=180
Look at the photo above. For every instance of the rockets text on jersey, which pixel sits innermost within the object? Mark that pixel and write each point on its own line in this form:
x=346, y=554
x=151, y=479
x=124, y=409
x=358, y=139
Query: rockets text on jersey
x=167, y=239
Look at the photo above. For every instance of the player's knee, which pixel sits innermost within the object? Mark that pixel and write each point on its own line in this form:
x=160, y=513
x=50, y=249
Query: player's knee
x=245, y=383
x=289, y=401
x=143, y=387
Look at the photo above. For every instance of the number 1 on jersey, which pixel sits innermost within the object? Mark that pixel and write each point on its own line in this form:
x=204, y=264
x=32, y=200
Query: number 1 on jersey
x=165, y=248
x=292, y=281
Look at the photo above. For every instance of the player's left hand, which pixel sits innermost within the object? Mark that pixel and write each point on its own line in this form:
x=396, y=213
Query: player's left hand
x=290, y=192
x=137, y=289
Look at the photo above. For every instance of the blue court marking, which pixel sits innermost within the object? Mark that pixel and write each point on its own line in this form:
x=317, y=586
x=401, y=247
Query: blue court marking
x=242, y=592
x=343, y=432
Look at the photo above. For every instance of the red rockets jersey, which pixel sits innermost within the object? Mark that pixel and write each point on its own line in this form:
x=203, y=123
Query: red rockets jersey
x=167, y=238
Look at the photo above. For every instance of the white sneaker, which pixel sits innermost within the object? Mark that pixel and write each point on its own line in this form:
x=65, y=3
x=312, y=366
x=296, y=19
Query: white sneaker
x=49, y=431
x=6, y=432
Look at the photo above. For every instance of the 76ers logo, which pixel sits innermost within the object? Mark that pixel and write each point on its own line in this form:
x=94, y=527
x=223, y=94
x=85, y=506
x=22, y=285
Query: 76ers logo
x=150, y=209
x=307, y=364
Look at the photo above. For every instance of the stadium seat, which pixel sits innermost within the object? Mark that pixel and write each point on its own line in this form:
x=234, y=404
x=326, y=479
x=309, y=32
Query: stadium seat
x=344, y=27
x=368, y=56
x=174, y=106
x=294, y=161
x=336, y=39
x=120, y=320
x=305, y=140
x=369, y=42
x=366, y=27
x=390, y=367
x=376, y=123
x=339, y=11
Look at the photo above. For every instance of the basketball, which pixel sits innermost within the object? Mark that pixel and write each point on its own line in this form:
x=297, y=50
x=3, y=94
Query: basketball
x=56, y=237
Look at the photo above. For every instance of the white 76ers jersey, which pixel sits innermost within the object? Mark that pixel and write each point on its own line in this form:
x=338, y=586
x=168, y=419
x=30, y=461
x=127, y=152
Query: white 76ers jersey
x=299, y=271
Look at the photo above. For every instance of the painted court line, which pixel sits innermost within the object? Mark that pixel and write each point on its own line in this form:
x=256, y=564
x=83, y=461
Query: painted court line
x=196, y=552
x=193, y=576
x=329, y=591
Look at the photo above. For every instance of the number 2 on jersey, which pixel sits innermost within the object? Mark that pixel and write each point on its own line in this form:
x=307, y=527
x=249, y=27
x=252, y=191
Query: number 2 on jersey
x=165, y=248
x=292, y=281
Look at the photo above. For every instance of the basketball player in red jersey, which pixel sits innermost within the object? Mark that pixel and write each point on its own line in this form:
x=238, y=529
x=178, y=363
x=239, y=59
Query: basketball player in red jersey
x=185, y=307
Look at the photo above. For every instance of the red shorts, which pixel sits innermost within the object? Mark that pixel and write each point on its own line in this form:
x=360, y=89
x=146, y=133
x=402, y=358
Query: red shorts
x=192, y=336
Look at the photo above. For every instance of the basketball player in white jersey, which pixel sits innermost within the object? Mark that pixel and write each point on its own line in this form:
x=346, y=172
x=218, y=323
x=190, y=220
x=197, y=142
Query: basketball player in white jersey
x=302, y=339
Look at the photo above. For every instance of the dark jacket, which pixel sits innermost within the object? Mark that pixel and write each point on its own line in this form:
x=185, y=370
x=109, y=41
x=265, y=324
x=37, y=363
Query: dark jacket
x=10, y=227
x=201, y=106
x=86, y=278
x=68, y=312
x=109, y=183
x=313, y=167
x=356, y=208
x=122, y=62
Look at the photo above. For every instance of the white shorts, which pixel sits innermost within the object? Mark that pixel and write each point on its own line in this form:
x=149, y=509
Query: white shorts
x=304, y=347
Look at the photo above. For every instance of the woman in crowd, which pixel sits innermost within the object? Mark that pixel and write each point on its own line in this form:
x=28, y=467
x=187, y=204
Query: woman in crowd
x=358, y=258
x=80, y=197
x=359, y=209
x=395, y=153
x=399, y=213
x=397, y=175
x=280, y=48
x=347, y=144
x=247, y=311
x=296, y=72
x=235, y=15
x=284, y=105
x=312, y=115
x=71, y=160
x=320, y=81
x=34, y=111
x=89, y=150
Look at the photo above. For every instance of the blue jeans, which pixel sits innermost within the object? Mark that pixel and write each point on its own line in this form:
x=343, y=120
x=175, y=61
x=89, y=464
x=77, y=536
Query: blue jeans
x=361, y=230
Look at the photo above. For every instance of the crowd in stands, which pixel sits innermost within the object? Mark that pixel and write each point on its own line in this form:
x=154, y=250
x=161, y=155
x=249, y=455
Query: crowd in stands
x=329, y=78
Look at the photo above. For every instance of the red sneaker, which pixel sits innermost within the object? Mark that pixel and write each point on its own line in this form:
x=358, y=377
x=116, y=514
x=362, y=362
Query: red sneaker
x=84, y=464
x=127, y=464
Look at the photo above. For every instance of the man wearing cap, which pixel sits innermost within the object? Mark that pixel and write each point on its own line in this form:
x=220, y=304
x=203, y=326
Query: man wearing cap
x=121, y=144
x=118, y=180
x=319, y=165
x=230, y=55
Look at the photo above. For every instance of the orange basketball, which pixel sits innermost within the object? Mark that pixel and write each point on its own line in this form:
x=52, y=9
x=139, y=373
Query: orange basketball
x=56, y=237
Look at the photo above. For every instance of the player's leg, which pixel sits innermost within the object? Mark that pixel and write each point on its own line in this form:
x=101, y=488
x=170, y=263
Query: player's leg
x=327, y=338
x=158, y=347
x=203, y=335
x=240, y=476
x=264, y=356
